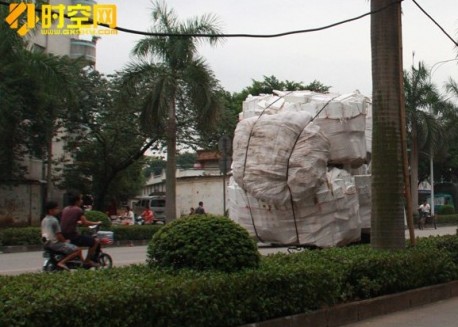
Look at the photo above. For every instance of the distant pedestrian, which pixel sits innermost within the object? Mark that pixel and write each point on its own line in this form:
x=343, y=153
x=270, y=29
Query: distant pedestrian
x=191, y=211
x=148, y=215
x=200, y=209
x=128, y=217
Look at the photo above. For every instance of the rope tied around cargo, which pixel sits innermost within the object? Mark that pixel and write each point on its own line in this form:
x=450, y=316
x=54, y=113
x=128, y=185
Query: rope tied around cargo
x=288, y=165
x=246, y=157
x=288, y=187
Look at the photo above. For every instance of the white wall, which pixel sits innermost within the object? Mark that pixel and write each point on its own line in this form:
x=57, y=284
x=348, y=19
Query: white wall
x=208, y=189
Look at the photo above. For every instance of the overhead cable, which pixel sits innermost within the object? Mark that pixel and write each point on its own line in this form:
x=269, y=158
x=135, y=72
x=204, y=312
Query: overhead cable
x=243, y=35
x=434, y=21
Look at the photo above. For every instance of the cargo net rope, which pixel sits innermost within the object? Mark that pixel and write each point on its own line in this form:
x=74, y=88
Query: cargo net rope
x=291, y=136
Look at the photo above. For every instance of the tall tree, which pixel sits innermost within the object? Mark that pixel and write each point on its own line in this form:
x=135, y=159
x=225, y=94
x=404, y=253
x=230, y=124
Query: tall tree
x=422, y=102
x=33, y=89
x=106, y=140
x=174, y=77
x=387, y=217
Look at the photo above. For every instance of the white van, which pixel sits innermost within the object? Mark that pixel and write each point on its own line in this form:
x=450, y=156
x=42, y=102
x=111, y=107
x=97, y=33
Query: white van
x=155, y=202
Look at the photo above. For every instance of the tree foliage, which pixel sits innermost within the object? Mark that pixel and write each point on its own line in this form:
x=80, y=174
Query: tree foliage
x=106, y=141
x=428, y=114
x=177, y=84
x=35, y=88
x=232, y=106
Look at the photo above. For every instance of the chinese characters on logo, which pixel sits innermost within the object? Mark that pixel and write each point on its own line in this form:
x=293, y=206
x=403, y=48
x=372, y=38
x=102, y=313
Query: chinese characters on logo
x=63, y=19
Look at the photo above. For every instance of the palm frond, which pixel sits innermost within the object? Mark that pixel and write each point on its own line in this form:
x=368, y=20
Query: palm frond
x=452, y=87
x=202, y=88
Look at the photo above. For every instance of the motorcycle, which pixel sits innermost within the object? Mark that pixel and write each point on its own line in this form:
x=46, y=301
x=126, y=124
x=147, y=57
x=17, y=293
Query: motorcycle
x=138, y=220
x=51, y=258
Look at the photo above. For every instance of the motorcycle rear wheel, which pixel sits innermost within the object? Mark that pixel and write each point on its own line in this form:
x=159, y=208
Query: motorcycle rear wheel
x=105, y=261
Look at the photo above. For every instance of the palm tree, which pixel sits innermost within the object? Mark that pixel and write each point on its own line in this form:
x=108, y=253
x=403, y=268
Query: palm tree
x=174, y=78
x=422, y=101
x=387, y=217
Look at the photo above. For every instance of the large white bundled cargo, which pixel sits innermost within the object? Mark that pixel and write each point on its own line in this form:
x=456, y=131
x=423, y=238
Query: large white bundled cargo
x=280, y=158
x=369, y=128
x=363, y=187
x=342, y=118
x=328, y=218
x=254, y=106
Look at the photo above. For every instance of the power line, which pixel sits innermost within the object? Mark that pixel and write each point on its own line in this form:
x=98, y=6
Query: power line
x=438, y=25
x=262, y=35
x=244, y=35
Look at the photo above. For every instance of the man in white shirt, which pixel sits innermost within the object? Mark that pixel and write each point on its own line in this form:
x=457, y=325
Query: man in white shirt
x=52, y=236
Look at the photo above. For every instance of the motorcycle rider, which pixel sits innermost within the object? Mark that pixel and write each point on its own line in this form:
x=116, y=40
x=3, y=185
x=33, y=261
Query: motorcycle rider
x=73, y=215
x=52, y=236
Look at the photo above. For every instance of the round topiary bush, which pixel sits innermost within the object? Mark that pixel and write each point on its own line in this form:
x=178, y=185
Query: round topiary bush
x=94, y=215
x=203, y=242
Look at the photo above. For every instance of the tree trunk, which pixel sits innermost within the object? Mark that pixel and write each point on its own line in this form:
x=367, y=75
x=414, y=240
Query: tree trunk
x=387, y=219
x=414, y=167
x=99, y=197
x=49, y=154
x=170, y=171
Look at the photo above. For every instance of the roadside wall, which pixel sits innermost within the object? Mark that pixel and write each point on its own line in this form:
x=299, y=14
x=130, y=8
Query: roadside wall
x=208, y=189
x=20, y=204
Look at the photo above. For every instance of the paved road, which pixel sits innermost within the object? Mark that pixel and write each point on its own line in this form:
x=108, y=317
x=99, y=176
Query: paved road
x=23, y=262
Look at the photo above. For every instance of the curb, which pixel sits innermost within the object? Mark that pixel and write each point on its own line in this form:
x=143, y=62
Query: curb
x=347, y=313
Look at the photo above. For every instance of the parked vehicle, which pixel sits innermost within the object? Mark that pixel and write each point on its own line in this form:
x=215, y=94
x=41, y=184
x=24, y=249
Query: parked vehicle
x=155, y=202
x=51, y=258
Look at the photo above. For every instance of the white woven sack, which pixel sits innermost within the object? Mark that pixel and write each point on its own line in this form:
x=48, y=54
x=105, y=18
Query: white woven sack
x=279, y=158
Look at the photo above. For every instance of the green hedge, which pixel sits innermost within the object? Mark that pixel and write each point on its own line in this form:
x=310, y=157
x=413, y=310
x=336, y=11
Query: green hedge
x=134, y=232
x=32, y=235
x=446, y=210
x=447, y=219
x=282, y=285
x=20, y=236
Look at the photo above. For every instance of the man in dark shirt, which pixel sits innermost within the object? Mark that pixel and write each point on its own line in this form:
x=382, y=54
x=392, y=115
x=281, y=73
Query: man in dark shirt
x=71, y=216
x=200, y=209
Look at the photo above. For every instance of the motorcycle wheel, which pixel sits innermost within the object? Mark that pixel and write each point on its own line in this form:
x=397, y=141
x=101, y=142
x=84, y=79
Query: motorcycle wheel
x=105, y=261
x=50, y=266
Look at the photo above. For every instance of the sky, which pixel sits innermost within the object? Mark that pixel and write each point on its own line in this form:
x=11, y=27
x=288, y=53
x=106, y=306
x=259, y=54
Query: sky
x=339, y=57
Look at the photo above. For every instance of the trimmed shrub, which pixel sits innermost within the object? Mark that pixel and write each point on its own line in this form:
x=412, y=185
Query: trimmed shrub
x=32, y=235
x=374, y=273
x=446, y=210
x=282, y=285
x=94, y=215
x=448, y=219
x=446, y=243
x=203, y=242
x=134, y=232
x=20, y=236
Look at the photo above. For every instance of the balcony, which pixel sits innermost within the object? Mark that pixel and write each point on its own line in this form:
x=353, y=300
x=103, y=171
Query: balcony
x=82, y=48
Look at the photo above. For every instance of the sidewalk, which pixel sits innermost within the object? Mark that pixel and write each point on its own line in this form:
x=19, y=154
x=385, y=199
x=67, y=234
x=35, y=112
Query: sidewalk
x=429, y=306
x=441, y=314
